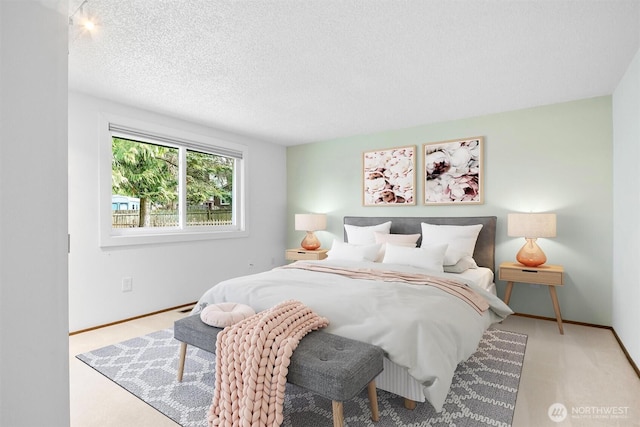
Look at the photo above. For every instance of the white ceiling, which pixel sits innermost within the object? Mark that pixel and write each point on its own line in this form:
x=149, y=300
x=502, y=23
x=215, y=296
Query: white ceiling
x=299, y=71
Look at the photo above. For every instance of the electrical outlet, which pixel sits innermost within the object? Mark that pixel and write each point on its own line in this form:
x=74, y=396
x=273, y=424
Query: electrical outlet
x=127, y=284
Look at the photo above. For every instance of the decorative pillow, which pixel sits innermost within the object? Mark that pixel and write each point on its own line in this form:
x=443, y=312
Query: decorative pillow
x=225, y=314
x=408, y=240
x=396, y=239
x=349, y=252
x=460, y=238
x=429, y=257
x=465, y=263
x=357, y=235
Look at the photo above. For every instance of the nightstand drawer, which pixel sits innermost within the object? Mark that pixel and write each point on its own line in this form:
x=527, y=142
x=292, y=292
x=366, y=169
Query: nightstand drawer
x=536, y=275
x=302, y=255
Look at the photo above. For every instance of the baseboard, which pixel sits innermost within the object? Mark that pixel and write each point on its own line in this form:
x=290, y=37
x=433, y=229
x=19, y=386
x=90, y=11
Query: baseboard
x=592, y=325
x=626, y=353
x=133, y=318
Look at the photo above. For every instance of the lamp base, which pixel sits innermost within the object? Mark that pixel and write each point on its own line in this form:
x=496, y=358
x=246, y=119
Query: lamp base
x=310, y=242
x=530, y=254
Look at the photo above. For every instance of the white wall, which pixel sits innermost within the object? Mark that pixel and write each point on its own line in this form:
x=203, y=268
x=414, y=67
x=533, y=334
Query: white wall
x=626, y=208
x=164, y=275
x=34, y=346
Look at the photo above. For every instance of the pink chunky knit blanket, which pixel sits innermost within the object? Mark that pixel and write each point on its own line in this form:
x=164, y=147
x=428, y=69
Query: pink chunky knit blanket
x=252, y=360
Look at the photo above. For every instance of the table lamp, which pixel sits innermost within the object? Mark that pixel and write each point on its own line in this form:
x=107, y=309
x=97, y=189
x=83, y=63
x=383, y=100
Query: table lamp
x=531, y=226
x=310, y=223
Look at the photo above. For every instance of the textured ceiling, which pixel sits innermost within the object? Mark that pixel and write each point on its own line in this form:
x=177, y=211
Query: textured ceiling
x=294, y=71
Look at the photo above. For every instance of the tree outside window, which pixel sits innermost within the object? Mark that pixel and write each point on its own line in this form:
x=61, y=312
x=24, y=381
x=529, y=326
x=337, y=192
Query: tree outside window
x=149, y=176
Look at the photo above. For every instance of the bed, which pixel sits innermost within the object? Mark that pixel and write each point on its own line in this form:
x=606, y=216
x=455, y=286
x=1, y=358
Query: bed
x=425, y=331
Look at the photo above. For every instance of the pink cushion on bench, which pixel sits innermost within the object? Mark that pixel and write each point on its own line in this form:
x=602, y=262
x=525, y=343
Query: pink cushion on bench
x=226, y=313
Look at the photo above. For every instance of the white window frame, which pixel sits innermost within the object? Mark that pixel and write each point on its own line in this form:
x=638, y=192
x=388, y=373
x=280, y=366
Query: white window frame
x=153, y=133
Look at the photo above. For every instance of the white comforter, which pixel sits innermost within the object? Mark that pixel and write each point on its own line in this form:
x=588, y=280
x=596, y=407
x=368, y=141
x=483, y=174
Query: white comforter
x=419, y=327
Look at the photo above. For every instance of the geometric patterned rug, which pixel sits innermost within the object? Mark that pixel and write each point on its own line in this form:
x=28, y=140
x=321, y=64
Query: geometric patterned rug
x=483, y=392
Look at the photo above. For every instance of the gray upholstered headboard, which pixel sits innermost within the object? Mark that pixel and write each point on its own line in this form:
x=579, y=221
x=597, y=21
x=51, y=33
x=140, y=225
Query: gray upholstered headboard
x=485, y=251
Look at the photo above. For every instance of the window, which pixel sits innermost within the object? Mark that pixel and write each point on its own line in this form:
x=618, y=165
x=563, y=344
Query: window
x=165, y=185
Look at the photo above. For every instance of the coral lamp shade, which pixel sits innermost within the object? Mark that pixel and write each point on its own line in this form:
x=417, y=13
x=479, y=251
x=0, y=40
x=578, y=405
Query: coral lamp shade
x=531, y=225
x=310, y=222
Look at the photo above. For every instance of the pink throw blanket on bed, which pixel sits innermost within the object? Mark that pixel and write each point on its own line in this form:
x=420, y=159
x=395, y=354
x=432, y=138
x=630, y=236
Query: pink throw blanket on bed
x=252, y=360
x=455, y=288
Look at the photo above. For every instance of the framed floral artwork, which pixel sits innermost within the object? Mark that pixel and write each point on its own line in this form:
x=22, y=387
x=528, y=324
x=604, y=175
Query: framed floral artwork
x=389, y=177
x=453, y=172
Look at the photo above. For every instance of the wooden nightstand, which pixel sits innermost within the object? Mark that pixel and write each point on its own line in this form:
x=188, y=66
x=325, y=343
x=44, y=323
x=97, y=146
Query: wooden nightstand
x=303, y=254
x=548, y=275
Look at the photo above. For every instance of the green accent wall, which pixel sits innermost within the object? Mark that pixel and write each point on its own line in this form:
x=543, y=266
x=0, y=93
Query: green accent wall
x=555, y=158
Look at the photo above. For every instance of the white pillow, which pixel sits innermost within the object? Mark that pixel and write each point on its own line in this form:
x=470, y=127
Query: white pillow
x=349, y=252
x=357, y=235
x=225, y=314
x=465, y=263
x=429, y=257
x=460, y=238
x=394, y=239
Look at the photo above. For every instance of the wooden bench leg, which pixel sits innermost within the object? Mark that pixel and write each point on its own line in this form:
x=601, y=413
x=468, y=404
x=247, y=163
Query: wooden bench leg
x=373, y=400
x=183, y=356
x=338, y=414
x=409, y=404
x=338, y=407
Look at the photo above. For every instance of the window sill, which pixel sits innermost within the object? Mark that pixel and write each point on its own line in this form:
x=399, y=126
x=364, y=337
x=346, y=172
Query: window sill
x=145, y=237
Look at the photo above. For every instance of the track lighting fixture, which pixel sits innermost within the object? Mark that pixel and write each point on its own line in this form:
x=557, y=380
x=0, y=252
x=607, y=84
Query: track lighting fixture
x=81, y=21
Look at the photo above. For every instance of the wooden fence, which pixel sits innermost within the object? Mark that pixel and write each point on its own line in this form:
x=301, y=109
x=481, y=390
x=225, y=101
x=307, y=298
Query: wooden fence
x=169, y=218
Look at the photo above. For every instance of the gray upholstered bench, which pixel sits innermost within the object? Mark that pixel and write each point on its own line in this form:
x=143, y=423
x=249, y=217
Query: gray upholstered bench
x=335, y=367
